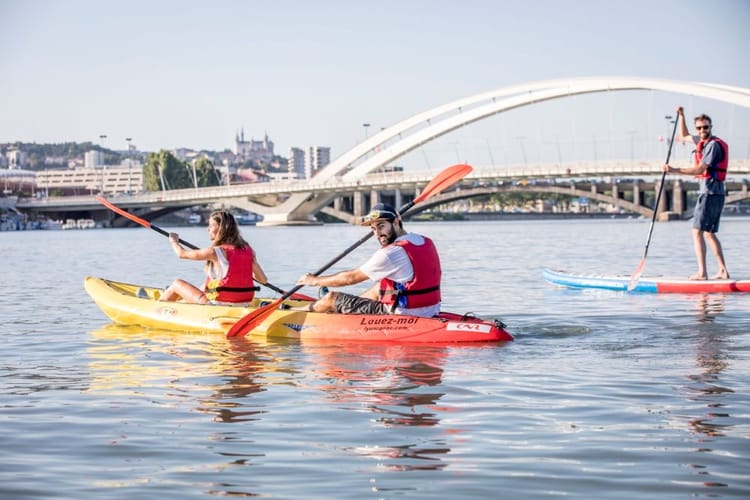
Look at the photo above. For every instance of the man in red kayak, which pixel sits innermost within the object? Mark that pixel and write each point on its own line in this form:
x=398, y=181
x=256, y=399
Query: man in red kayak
x=406, y=270
x=711, y=161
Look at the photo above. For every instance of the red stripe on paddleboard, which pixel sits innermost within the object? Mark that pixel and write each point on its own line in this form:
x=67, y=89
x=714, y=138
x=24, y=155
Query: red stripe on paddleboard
x=703, y=286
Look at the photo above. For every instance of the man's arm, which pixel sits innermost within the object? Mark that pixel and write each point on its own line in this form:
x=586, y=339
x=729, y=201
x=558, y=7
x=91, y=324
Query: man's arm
x=343, y=278
x=684, y=134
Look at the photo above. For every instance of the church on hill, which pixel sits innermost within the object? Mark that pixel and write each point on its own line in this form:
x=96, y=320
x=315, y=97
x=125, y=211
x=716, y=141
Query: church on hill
x=260, y=151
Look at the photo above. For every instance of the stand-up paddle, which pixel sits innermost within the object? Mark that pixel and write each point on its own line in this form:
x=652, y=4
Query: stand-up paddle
x=145, y=223
x=442, y=181
x=641, y=265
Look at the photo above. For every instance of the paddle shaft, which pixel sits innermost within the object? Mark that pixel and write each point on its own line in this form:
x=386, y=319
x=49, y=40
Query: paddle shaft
x=642, y=264
x=404, y=208
x=661, y=189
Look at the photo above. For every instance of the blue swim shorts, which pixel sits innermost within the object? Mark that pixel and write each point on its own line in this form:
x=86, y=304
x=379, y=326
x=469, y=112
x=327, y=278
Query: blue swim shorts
x=708, y=212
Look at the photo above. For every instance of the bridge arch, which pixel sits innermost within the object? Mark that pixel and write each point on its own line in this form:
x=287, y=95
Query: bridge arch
x=405, y=136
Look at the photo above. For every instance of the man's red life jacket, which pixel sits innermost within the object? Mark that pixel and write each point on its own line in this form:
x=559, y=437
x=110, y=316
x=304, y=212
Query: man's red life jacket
x=424, y=288
x=237, y=285
x=718, y=171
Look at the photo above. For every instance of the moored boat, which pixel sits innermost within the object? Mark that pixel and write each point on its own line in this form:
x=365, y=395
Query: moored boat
x=648, y=285
x=126, y=303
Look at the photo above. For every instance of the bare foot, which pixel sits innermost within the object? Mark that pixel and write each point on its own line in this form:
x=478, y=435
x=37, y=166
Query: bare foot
x=698, y=277
x=721, y=276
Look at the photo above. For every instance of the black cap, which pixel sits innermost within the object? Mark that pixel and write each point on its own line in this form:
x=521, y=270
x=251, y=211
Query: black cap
x=381, y=211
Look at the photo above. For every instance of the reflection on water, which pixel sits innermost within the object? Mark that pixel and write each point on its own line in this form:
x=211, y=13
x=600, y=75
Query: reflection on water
x=395, y=383
x=399, y=384
x=709, y=306
x=406, y=457
x=706, y=388
x=390, y=381
x=131, y=360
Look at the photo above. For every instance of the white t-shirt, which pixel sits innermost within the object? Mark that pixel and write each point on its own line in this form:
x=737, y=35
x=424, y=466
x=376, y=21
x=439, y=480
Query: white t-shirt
x=393, y=263
x=220, y=269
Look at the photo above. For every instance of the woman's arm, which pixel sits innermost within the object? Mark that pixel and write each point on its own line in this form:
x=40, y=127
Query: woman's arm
x=258, y=273
x=206, y=254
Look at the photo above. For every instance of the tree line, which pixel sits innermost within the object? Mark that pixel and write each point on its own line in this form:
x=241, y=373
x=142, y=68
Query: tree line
x=164, y=171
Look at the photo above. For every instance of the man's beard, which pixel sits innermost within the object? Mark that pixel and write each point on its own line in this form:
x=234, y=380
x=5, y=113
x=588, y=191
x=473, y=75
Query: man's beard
x=387, y=239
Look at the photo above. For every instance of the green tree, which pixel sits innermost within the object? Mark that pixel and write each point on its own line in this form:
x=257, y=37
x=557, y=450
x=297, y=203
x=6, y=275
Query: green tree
x=206, y=173
x=164, y=171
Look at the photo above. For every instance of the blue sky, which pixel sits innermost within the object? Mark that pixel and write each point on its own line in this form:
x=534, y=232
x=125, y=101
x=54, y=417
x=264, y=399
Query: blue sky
x=190, y=74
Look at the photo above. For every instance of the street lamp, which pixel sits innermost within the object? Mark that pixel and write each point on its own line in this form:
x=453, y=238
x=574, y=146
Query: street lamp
x=101, y=145
x=130, y=166
x=366, y=126
x=669, y=133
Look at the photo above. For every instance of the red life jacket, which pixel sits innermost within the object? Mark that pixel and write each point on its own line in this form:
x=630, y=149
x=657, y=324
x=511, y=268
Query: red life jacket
x=718, y=171
x=424, y=288
x=237, y=285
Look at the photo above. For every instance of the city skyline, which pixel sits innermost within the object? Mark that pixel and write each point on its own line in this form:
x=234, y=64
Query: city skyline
x=185, y=74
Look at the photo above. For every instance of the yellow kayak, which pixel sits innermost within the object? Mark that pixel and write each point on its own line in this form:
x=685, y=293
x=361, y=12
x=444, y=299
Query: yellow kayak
x=138, y=305
x=129, y=304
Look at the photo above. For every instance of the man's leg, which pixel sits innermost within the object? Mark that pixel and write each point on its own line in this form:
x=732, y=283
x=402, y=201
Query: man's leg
x=715, y=245
x=326, y=303
x=700, y=254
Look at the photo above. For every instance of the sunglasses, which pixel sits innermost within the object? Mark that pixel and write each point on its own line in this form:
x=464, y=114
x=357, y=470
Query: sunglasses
x=702, y=127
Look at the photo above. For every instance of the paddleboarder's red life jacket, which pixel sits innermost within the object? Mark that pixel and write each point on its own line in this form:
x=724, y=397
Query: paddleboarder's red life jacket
x=719, y=171
x=424, y=288
x=237, y=285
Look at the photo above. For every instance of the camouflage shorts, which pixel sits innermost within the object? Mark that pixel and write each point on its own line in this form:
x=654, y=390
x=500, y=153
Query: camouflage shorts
x=353, y=304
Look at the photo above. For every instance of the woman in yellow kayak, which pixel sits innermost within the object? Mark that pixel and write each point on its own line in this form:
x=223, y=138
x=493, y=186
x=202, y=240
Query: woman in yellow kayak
x=230, y=269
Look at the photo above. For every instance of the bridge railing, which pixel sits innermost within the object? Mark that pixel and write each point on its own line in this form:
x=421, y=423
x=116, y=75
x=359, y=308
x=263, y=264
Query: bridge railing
x=376, y=181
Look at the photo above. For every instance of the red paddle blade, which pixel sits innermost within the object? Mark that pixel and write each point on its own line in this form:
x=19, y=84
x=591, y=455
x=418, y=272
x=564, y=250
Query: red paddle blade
x=248, y=322
x=445, y=179
x=636, y=275
x=302, y=296
x=122, y=212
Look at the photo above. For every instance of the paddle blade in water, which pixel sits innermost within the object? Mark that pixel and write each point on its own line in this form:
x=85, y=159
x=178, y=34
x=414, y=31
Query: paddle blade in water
x=248, y=322
x=636, y=275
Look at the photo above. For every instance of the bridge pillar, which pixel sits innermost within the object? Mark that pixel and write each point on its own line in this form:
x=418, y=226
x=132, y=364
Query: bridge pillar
x=678, y=197
x=637, y=195
x=616, y=194
x=359, y=204
x=663, y=201
x=374, y=199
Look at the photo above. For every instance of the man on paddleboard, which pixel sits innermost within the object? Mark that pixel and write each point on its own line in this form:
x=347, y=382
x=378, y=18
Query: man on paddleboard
x=406, y=270
x=711, y=162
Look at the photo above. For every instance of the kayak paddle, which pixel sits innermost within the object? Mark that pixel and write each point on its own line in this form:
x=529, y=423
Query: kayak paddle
x=442, y=181
x=145, y=223
x=639, y=270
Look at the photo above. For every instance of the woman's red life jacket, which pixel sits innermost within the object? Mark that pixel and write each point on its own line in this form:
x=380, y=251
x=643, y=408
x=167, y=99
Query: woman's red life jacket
x=238, y=284
x=718, y=171
x=424, y=288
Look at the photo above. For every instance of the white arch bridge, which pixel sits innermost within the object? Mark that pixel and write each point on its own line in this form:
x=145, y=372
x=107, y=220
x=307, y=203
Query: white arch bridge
x=405, y=136
x=350, y=174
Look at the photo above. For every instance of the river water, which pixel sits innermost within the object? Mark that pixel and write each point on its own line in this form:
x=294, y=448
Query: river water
x=602, y=394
